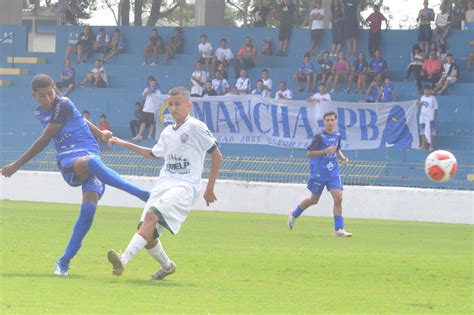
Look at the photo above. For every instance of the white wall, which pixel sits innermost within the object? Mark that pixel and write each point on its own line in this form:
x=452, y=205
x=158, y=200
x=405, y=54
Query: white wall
x=390, y=203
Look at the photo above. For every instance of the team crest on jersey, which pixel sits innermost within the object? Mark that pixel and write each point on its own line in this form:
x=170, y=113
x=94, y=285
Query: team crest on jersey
x=184, y=138
x=330, y=166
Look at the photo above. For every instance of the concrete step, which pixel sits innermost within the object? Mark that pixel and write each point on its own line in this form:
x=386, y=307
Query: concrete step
x=5, y=82
x=28, y=60
x=13, y=71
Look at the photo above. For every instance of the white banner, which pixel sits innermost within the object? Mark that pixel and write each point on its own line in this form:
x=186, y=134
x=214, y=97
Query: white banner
x=251, y=119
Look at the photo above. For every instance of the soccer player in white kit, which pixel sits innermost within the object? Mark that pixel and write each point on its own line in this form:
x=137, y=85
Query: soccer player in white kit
x=183, y=146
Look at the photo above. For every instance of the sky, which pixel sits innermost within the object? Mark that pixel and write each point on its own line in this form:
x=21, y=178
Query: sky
x=400, y=12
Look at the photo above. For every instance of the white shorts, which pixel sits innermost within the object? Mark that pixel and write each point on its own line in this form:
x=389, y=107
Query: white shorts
x=173, y=201
x=451, y=80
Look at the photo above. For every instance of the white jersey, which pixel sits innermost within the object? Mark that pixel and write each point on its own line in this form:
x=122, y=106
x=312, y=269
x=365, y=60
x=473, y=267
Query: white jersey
x=184, y=150
x=320, y=98
x=224, y=53
x=428, y=105
x=317, y=24
x=205, y=50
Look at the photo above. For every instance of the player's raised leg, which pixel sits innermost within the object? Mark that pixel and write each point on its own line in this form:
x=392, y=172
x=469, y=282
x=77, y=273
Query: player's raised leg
x=305, y=204
x=337, y=211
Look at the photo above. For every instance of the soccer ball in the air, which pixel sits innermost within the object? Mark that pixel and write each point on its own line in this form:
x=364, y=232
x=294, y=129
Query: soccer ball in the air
x=441, y=166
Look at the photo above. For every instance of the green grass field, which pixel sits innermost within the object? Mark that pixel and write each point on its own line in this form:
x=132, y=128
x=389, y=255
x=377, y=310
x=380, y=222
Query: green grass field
x=236, y=263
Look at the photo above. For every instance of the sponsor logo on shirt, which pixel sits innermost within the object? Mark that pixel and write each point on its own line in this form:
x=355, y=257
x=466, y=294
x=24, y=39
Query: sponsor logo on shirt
x=177, y=165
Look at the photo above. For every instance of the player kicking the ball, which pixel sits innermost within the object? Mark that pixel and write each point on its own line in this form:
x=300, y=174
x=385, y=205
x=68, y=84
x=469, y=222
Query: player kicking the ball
x=323, y=153
x=78, y=158
x=183, y=146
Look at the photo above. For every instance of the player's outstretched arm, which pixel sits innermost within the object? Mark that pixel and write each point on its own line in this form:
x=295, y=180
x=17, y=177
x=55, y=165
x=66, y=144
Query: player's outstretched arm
x=101, y=135
x=216, y=158
x=48, y=133
x=143, y=151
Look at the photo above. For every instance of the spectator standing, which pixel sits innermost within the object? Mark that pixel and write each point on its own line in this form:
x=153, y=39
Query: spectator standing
x=340, y=70
x=138, y=121
x=247, y=57
x=223, y=55
x=337, y=21
x=102, y=42
x=151, y=104
x=469, y=16
x=470, y=56
x=283, y=92
x=198, y=80
x=209, y=90
x=287, y=9
x=428, y=105
x=351, y=25
x=67, y=79
x=316, y=18
x=267, y=46
x=425, y=16
x=84, y=46
x=416, y=64
x=321, y=96
x=243, y=83
x=155, y=46
x=449, y=76
x=176, y=44
x=267, y=82
x=63, y=11
x=260, y=90
x=443, y=24
x=117, y=45
x=359, y=73
x=431, y=71
x=375, y=21
x=377, y=67
x=458, y=14
x=260, y=14
x=305, y=73
x=97, y=76
x=219, y=84
x=104, y=123
x=205, y=53
x=388, y=92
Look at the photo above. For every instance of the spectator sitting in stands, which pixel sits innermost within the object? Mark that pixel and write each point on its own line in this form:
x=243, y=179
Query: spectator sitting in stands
x=247, y=57
x=375, y=21
x=104, y=124
x=267, y=82
x=140, y=119
x=243, y=83
x=205, y=53
x=155, y=46
x=220, y=85
x=388, y=92
x=374, y=90
x=209, y=90
x=86, y=115
x=449, y=76
x=267, y=47
x=340, y=70
x=443, y=24
x=67, y=79
x=431, y=71
x=97, y=76
x=198, y=80
x=223, y=71
x=377, y=67
x=102, y=42
x=84, y=46
x=175, y=46
x=260, y=90
x=358, y=72
x=305, y=73
x=321, y=96
x=458, y=14
x=283, y=93
x=416, y=64
x=117, y=45
x=470, y=56
x=223, y=55
x=469, y=16
x=442, y=53
x=326, y=68
x=425, y=16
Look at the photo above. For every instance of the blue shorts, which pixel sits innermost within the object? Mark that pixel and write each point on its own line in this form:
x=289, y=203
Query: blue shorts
x=66, y=167
x=317, y=186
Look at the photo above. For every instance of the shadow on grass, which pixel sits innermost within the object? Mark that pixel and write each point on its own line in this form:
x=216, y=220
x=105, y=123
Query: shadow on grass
x=39, y=275
x=155, y=283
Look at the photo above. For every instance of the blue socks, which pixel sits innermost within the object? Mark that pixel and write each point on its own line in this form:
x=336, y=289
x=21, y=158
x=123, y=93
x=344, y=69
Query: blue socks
x=338, y=222
x=297, y=212
x=82, y=226
x=110, y=177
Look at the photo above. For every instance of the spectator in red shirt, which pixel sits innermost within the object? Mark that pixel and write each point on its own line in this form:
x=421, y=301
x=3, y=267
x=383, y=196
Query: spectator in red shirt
x=246, y=58
x=103, y=124
x=375, y=22
x=431, y=71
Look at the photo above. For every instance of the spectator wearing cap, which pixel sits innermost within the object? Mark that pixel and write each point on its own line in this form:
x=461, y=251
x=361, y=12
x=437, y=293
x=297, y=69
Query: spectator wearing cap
x=431, y=71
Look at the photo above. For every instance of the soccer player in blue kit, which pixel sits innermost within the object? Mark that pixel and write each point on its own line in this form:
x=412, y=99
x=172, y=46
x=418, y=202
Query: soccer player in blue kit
x=323, y=153
x=78, y=158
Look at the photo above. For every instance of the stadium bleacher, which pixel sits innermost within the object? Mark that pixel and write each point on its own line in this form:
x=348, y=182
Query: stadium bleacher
x=127, y=79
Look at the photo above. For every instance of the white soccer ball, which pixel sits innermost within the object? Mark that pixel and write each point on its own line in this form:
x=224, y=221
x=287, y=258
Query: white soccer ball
x=441, y=166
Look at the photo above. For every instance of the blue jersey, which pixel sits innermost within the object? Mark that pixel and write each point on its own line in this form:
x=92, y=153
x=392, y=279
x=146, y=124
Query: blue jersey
x=75, y=135
x=324, y=167
x=387, y=93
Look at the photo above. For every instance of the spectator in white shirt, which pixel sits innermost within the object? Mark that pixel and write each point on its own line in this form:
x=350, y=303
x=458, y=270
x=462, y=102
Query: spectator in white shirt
x=283, y=93
x=316, y=18
x=267, y=82
x=220, y=84
x=243, y=83
x=205, y=52
x=428, y=114
x=260, y=90
x=321, y=96
x=223, y=56
x=198, y=80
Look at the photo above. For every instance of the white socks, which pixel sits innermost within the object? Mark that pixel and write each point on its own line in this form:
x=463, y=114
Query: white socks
x=159, y=254
x=136, y=244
